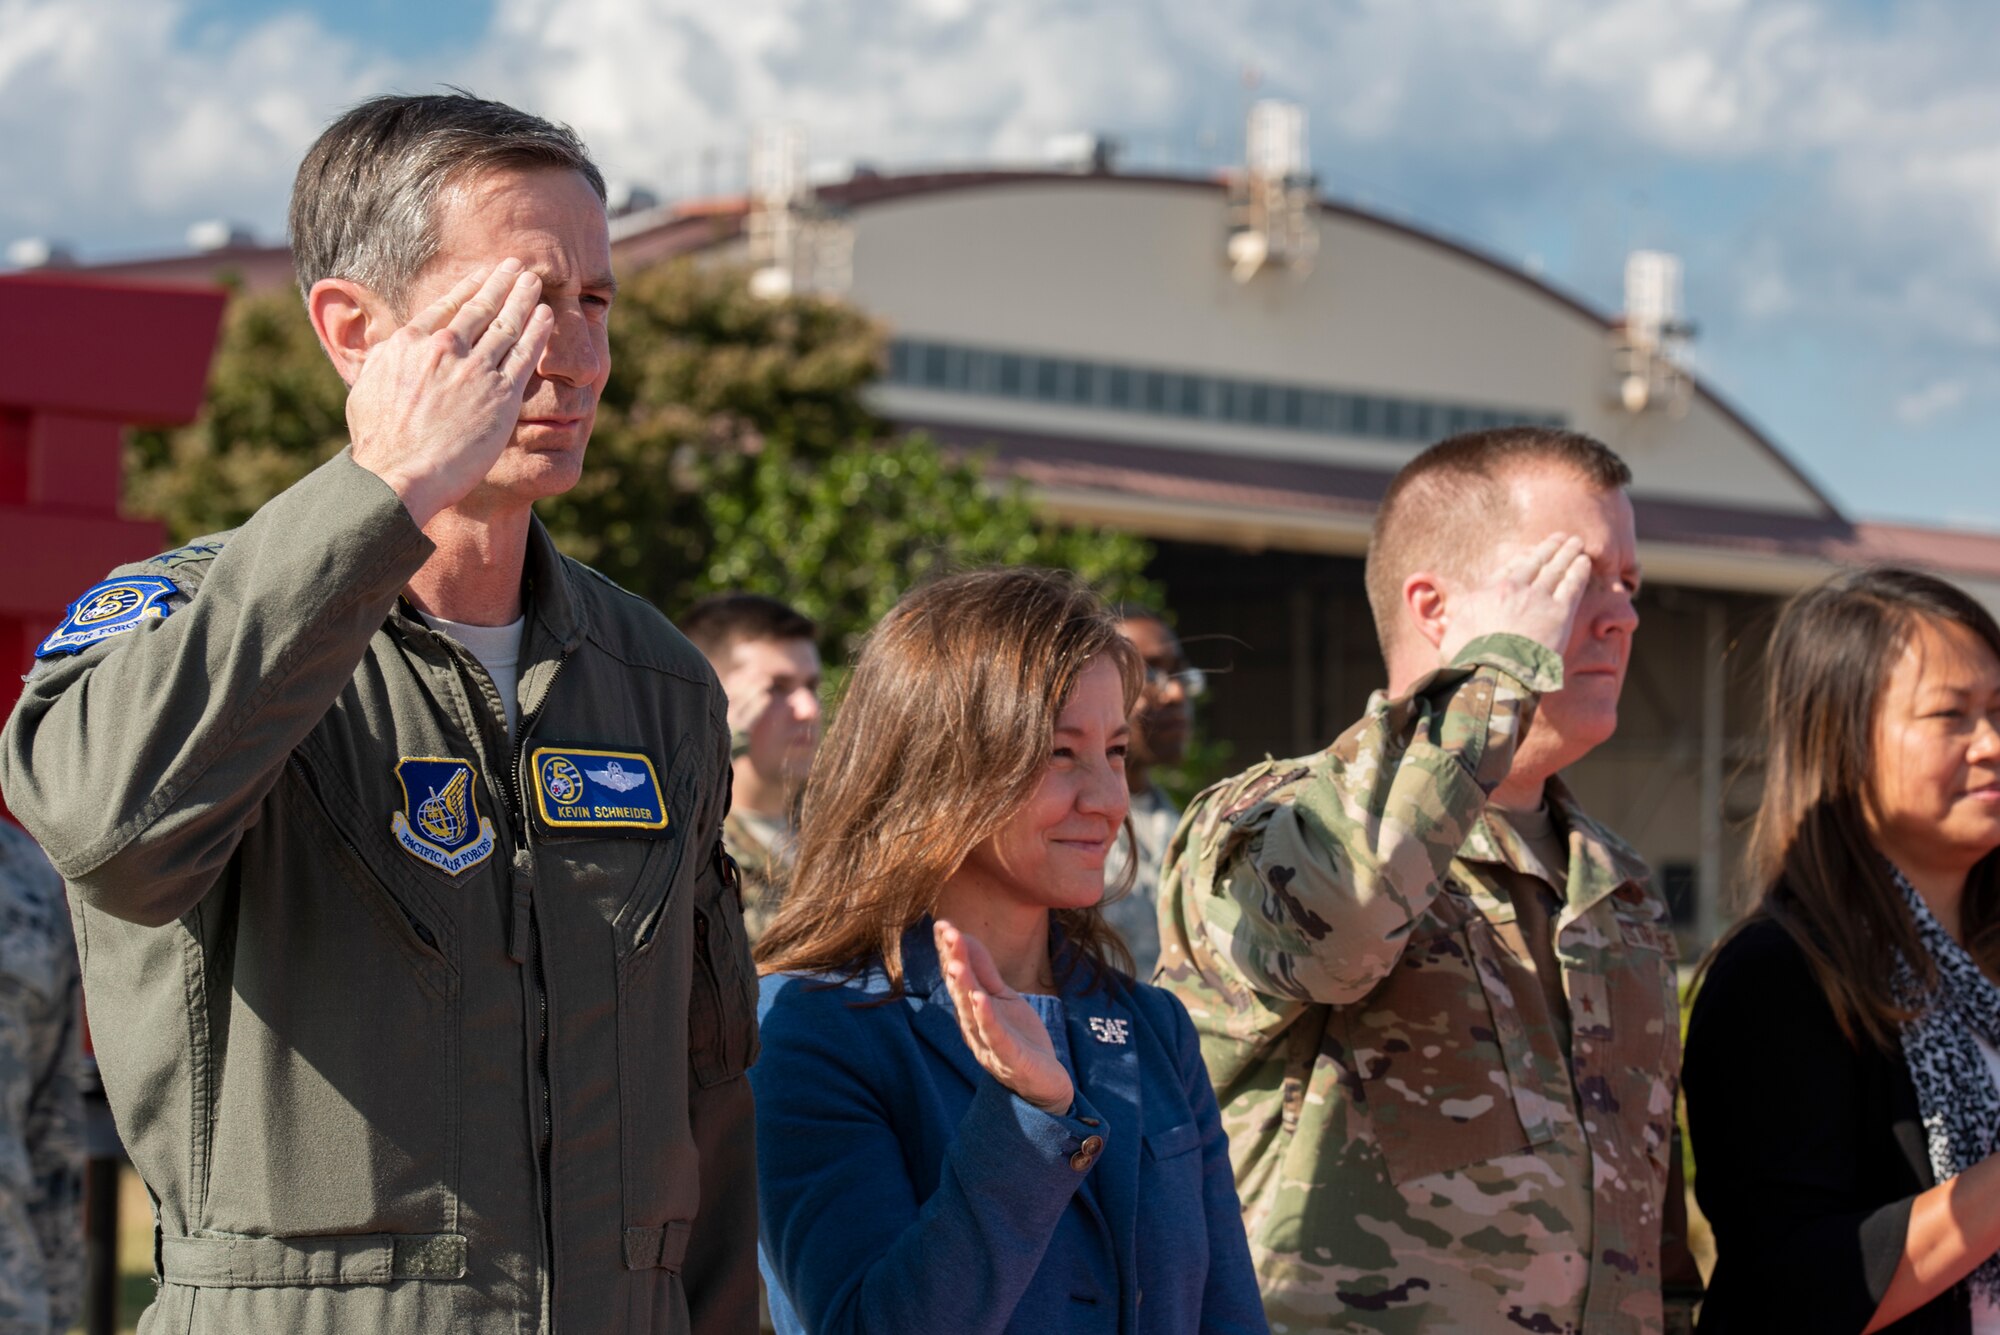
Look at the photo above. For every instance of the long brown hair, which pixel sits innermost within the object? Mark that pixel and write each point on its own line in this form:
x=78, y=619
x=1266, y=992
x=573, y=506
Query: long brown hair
x=1822, y=878
x=941, y=738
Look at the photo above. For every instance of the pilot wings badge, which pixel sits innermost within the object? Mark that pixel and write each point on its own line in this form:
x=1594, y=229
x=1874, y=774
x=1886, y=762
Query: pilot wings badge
x=440, y=821
x=616, y=777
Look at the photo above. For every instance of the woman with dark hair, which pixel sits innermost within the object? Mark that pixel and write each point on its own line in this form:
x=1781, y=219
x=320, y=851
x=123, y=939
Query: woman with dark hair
x=969, y=1117
x=1844, y=1053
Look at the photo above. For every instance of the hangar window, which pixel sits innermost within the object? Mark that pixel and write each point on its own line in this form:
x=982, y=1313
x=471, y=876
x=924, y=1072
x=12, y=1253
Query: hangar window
x=1258, y=405
x=1228, y=401
x=1193, y=396
x=935, y=366
x=978, y=372
x=1118, y=387
x=930, y=364
x=1045, y=378
x=1083, y=382
x=1314, y=411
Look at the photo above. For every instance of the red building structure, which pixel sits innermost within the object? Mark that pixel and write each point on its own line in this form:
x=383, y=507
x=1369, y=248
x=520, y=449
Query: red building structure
x=79, y=362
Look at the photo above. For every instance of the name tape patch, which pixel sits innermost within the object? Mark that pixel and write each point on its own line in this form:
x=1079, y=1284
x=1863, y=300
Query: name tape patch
x=579, y=789
x=107, y=609
x=440, y=821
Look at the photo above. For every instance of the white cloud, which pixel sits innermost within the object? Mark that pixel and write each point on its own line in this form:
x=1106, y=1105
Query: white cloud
x=117, y=110
x=1847, y=179
x=120, y=125
x=1940, y=396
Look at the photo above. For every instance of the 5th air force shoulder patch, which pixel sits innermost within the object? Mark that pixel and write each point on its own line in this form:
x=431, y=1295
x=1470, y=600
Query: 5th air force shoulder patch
x=578, y=788
x=440, y=821
x=107, y=609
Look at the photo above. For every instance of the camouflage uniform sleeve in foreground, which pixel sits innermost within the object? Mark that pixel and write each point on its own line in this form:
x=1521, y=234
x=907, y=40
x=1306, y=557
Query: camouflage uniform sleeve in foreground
x=1317, y=892
x=41, y=1059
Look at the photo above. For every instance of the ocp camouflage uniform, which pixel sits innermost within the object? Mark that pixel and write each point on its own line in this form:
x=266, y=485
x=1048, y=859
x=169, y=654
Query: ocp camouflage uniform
x=41, y=1061
x=763, y=866
x=1416, y=1129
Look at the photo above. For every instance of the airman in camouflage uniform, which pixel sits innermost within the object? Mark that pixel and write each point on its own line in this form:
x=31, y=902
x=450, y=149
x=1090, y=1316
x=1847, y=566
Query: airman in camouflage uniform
x=763, y=652
x=762, y=851
x=41, y=1060
x=1448, y=1067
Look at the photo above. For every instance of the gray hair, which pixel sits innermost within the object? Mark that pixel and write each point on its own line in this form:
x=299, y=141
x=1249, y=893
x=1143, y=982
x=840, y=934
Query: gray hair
x=364, y=206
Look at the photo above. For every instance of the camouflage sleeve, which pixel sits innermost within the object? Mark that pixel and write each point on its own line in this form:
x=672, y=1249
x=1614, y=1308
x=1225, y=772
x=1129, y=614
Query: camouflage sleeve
x=1311, y=892
x=55, y=1149
x=41, y=1096
x=755, y=870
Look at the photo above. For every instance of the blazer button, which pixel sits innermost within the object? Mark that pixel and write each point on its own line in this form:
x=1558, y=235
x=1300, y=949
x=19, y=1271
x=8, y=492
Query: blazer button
x=1087, y=1153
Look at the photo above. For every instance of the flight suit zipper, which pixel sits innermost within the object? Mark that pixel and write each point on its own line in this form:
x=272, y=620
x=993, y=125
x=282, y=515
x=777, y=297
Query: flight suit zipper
x=545, y=1150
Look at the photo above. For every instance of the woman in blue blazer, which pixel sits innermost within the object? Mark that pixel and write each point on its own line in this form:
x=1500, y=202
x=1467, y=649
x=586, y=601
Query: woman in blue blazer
x=969, y=1118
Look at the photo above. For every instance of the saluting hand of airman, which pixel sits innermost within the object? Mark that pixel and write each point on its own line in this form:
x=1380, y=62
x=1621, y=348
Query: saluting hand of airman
x=437, y=401
x=1531, y=592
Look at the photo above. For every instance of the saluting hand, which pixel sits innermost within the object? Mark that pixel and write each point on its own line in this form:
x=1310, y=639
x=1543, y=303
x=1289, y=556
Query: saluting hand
x=1532, y=592
x=1003, y=1031
x=436, y=402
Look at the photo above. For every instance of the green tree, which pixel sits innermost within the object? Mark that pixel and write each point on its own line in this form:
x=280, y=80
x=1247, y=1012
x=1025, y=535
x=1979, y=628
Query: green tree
x=275, y=410
x=734, y=448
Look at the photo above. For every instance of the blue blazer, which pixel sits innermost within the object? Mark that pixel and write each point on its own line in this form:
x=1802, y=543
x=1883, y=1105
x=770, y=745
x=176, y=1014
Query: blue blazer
x=903, y=1189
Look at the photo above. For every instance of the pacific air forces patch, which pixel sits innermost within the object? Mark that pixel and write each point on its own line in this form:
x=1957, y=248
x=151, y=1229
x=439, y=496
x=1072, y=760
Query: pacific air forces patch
x=579, y=788
x=440, y=821
x=107, y=609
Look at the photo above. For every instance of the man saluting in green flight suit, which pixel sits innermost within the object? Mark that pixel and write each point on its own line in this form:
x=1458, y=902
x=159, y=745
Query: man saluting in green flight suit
x=415, y=968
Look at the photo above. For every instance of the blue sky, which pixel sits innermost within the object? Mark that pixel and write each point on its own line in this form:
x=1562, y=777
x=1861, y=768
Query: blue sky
x=1829, y=171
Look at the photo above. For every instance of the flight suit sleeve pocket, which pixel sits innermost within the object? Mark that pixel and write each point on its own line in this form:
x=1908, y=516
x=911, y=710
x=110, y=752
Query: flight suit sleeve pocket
x=722, y=1007
x=1431, y=1052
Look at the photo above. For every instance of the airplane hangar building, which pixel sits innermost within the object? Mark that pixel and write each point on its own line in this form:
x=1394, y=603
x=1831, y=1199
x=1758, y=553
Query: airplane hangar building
x=1090, y=331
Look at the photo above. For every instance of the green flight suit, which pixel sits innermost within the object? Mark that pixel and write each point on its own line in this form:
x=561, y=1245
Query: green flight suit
x=397, y=1044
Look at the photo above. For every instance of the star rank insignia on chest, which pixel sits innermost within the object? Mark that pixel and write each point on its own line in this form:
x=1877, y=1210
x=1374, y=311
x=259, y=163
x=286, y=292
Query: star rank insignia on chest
x=1110, y=1031
x=440, y=821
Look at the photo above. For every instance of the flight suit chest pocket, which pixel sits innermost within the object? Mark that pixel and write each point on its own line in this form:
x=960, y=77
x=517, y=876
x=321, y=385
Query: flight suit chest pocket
x=616, y=825
x=1446, y=1071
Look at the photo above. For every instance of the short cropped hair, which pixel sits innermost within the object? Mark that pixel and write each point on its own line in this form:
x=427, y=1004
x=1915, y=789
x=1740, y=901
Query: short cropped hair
x=1450, y=504
x=365, y=202
x=1139, y=612
x=720, y=622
